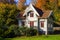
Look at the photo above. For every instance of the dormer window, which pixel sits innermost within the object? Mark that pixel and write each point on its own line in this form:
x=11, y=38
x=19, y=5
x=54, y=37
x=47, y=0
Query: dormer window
x=31, y=14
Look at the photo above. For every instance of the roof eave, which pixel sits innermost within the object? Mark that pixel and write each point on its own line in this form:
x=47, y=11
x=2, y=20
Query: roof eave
x=50, y=14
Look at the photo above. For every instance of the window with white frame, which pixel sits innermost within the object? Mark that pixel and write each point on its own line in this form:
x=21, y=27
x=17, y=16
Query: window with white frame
x=42, y=23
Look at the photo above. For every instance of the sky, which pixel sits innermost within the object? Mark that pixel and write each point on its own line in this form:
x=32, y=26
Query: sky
x=27, y=1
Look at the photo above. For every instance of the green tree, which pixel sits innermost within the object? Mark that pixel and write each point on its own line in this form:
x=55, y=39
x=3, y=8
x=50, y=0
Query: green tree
x=8, y=13
x=57, y=16
x=53, y=5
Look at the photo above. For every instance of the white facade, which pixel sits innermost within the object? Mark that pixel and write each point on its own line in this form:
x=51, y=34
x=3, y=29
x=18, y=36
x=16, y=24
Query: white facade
x=37, y=21
x=28, y=18
x=45, y=24
x=29, y=8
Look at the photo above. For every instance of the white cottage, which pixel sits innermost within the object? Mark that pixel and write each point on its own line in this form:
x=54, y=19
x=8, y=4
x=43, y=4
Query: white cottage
x=36, y=18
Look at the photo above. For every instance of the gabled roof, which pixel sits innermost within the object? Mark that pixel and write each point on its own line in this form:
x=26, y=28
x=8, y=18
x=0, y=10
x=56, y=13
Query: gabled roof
x=30, y=8
x=20, y=15
x=46, y=14
x=42, y=13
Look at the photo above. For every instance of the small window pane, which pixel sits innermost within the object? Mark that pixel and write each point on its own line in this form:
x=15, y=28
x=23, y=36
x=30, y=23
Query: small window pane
x=31, y=14
x=31, y=23
x=42, y=23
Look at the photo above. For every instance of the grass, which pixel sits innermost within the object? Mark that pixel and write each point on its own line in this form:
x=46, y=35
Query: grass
x=41, y=37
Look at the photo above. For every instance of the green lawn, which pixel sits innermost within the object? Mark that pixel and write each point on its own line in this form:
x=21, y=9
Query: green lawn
x=41, y=37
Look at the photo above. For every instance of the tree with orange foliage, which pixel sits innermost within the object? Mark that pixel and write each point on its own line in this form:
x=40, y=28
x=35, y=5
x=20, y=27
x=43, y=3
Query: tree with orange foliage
x=40, y=3
x=21, y=4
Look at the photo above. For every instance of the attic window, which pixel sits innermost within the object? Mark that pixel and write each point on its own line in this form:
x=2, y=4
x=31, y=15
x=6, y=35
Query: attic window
x=31, y=14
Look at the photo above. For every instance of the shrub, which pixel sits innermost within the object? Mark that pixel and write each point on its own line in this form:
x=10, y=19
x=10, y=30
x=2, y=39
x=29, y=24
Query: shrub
x=1, y=38
x=22, y=30
x=27, y=31
x=15, y=30
x=31, y=32
x=12, y=31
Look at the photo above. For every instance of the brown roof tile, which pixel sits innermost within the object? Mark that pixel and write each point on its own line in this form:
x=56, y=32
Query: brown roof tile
x=20, y=15
x=45, y=14
x=42, y=12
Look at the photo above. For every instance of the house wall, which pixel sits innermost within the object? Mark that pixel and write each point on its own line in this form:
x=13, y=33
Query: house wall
x=45, y=25
x=50, y=24
x=20, y=23
x=28, y=19
x=47, y=21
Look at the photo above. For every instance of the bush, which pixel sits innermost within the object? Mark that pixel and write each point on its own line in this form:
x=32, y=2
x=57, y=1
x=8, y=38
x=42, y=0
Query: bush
x=12, y=31
x=31, y=32
x=1, y=38
x=23, y=30
x=15, y=30
x=27, y=31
